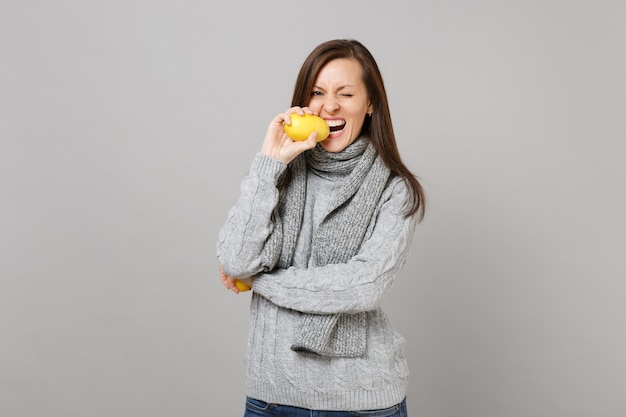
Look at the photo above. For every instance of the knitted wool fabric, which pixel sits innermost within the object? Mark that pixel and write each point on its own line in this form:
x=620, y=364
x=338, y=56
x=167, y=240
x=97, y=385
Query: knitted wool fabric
x=337, y=239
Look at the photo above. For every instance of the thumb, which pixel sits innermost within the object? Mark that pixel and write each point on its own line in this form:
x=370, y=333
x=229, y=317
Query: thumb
x=297, y=147
x=311, y=141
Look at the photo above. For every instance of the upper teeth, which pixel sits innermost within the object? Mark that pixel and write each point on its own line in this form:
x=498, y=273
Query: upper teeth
x=334, y=123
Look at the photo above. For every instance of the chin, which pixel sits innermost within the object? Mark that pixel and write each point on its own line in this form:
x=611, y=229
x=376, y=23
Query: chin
x=332, y=146
x=336, y=144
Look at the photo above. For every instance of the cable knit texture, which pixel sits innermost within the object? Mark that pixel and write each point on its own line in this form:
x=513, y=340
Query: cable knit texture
x=337, y=239
x=287, y=292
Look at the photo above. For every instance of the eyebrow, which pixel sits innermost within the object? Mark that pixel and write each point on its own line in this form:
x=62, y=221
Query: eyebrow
x=339, y=89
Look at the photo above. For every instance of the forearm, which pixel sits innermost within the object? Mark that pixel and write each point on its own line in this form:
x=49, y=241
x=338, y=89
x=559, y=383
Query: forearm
x=357, y=285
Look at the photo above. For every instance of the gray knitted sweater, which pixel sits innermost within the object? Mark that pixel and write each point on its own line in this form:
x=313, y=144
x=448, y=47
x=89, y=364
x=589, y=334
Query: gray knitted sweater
x=274, y=372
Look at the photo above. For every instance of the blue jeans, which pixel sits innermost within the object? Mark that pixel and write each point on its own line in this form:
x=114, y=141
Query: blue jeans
x=256, y=408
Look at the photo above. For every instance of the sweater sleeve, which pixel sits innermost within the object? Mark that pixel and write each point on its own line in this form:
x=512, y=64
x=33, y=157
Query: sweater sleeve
x=357, y=285
x=249, y=223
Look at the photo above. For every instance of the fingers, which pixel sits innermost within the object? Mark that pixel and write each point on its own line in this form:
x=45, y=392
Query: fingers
x=228, y=281
x=300, y=111
x=280, y=146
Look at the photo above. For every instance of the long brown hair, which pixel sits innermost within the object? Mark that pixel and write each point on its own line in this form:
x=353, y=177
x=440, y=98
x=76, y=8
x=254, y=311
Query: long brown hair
x=378, y=127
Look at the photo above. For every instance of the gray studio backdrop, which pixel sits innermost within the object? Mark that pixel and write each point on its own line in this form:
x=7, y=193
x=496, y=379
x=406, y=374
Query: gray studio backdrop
x=126, y=126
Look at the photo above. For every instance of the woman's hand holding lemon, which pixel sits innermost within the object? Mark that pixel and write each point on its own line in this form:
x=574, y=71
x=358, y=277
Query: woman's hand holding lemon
x=279, y=145
x=236, y=285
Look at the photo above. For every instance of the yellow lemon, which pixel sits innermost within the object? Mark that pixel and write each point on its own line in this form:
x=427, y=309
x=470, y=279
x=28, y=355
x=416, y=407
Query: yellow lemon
x=242, y=287
x=302, y=126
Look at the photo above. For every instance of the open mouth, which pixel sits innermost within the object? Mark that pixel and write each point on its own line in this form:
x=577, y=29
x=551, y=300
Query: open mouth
x=335, y=126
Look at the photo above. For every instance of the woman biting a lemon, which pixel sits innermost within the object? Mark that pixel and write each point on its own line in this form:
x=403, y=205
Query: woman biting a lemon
x=321, y=229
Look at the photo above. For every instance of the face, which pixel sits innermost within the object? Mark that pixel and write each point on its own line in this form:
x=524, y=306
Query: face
x=339, y=96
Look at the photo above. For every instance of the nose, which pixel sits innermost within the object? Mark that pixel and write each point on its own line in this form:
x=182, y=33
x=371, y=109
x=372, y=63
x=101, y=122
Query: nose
x=331, y=105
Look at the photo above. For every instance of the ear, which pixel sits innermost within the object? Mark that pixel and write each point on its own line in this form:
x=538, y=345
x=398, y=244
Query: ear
x=370, y=109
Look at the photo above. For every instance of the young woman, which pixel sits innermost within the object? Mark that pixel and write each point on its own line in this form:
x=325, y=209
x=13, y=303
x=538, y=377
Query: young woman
x=319, y=232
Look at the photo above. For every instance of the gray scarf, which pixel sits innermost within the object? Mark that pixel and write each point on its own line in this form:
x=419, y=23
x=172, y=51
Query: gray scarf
x=337, y=239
